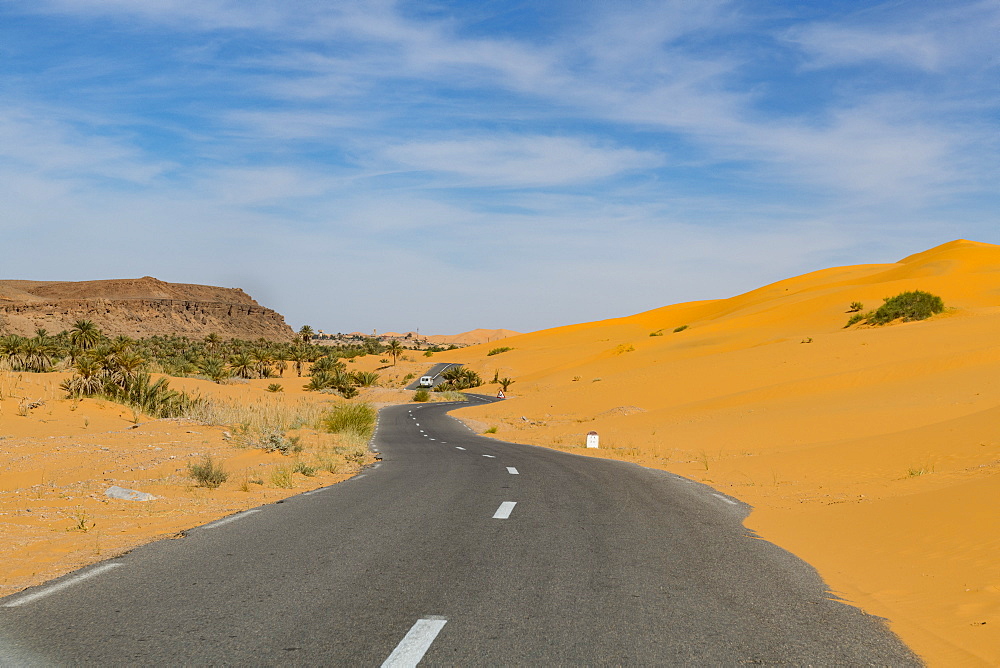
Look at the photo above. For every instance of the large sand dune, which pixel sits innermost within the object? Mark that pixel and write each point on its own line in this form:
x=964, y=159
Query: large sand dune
x=873, y=452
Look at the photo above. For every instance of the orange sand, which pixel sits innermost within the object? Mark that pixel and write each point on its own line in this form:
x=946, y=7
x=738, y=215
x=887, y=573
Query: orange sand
x=58, y=458
x=872, y=453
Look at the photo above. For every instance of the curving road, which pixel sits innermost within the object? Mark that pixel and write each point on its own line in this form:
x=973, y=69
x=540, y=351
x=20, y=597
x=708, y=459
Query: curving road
x=457, y=550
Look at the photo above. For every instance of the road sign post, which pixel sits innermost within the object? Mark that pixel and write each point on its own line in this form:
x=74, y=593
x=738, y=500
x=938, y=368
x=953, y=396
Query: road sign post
x=593, y=440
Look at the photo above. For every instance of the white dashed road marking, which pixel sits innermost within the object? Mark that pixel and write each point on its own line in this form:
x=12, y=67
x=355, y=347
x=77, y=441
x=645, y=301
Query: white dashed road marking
x=490, y=456
x=504, y=511
x=511, y=470
x=415, y=644
x=458, y=447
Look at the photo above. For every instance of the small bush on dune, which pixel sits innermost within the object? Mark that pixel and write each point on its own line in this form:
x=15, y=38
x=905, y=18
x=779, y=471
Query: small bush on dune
x=208, y=473
x=497, y=351
x=906, y=306
x=915, y=305
x=275, y=387
x=680, y=329
x=422, y=395
x=358, y=419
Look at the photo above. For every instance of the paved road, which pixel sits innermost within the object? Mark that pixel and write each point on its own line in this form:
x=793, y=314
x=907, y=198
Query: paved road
x=435, y=372
x=596, y=562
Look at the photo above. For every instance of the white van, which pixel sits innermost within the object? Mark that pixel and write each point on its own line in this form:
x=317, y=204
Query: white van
x=427, y=381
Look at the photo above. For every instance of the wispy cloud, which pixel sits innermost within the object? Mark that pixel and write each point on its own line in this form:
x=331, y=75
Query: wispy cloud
x=639, y=149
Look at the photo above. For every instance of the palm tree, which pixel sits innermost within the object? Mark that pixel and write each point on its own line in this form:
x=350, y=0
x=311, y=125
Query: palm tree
x=35, y=354
x=213, y=341
x=505, y=383
x=84, y=335
x=306, y=333
x=395, y=349
x=242, y=365
x=263, y=359
x=298, y=356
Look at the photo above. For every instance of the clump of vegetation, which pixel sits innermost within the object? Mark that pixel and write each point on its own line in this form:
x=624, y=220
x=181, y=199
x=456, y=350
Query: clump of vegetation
x=208, y=473
x=658, y=332
x=491, y=430
x=458, y=378
x=505, y=383
x=351, y=419
x=281, y=476
x=422, y=395
x=623, y=348
x=855, y=307
x=451, y=395
x=497, y=351
x=906, y=306
x=305, y=469
x=275, y=387
x=680, y=329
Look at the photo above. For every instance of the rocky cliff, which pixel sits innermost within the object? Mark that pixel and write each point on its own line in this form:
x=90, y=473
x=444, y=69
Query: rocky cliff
x=137, y=307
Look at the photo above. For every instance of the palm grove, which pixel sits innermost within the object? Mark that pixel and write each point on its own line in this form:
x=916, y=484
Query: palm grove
x=120, y=368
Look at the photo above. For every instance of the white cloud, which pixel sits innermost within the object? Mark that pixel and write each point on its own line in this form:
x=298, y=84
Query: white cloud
x=529, y=161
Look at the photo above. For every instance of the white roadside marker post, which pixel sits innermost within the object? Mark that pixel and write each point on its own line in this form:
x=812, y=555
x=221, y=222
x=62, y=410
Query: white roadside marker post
x=593, y=440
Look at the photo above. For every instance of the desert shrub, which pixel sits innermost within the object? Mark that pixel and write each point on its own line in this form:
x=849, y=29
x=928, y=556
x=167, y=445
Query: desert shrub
x=429, y=353
x=357, y=419
x=208, y=473
x=857, y=317
x=855, y=307
x=422, y=395
x=623, y=348
x=281, y=476
x=458, y=378
x=275, y=387
x=658, y=332
x=680, y=329
x=491, y=430
x=305, y=469
x=365, y=378
x=451, y=395
x=497, y=351
x=913, y=305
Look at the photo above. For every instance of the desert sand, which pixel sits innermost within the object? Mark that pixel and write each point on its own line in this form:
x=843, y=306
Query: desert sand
x=59, y=456
x=873, y=453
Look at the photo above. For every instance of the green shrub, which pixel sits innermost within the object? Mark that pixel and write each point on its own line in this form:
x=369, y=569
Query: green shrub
x=208, y=473
x=855, y=307
x=908, y=306
x=358, y=419
x=429, y=353
x=305, y=469
x=658, y=332
x=422, y=395
x=680, y=329
x=281, y=476
x=497, y=351
x=491, y=430
x=275, y=387
x=914, y=305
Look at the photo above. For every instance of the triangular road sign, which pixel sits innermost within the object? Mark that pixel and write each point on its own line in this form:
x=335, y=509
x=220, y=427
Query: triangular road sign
x=500, y=395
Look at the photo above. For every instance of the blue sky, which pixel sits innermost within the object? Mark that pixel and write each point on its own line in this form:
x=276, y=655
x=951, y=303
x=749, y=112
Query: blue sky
x=451, y=165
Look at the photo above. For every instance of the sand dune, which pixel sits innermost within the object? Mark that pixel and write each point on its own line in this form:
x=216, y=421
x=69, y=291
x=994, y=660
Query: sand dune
x=871, y=452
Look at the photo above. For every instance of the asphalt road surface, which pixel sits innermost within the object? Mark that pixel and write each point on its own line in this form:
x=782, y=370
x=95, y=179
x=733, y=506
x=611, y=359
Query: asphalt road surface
x=456, y=549
x=434, y=372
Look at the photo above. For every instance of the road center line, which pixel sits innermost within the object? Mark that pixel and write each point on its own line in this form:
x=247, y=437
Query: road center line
x=415, y=643
x=34, y=596
x=729, y=501
x=490, y=456
x=458, y=447
x=511, y=470
x=504, y=511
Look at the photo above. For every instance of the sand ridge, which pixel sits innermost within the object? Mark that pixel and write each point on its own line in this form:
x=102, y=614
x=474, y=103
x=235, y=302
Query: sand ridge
x=871, y=452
